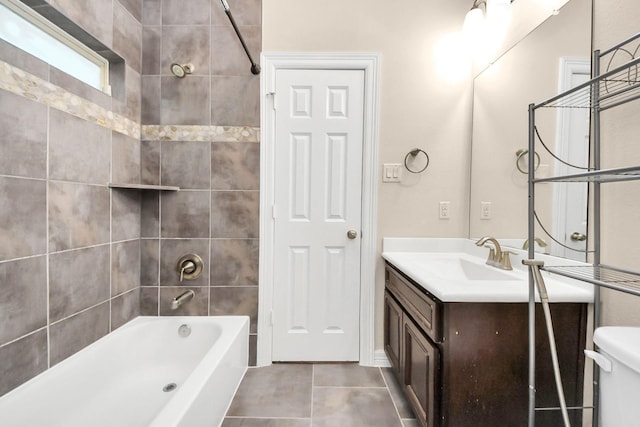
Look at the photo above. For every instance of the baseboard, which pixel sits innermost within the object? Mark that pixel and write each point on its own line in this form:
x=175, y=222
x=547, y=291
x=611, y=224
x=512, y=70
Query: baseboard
x=380, y=359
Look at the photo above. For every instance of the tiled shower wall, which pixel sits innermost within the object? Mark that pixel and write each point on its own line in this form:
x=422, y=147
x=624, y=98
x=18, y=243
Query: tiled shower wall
x=215, y=214
x=69, y=246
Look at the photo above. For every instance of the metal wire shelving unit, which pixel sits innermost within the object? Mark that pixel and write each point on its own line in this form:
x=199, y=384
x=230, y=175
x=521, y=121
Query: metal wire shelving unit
x=612, y=88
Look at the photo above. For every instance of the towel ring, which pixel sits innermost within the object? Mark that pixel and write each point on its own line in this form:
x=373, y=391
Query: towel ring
x=520, y=154
x=414, y=153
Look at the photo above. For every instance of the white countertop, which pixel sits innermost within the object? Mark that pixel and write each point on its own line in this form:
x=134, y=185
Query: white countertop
x=453, y=270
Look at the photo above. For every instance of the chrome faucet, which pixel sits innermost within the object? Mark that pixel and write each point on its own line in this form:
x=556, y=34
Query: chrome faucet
x=182, y=298
x=497, y=257
x=537, y=240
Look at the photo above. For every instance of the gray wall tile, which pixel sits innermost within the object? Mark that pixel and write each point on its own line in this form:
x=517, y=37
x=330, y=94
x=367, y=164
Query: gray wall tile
x=245, y=12
x=172, y=250
x=179, y=12
x=185, y=214
x=150, y=215
x=151, y=37
x=186, y=164
x=186, y=45
x=23, y=306
x=234, y=262
x=125, y=159
x=150, y=100
x=96, y=16
x=150, y=162
x=235, y=166
x=125, y=214
x=22, y=360
x=198, y=306
x=124, y=308
x=235, y=214
x=21, y=59
x=226, y=301
x=125, y=266
x=227, y=54
x=22, y=217
x=149, y=301
x=75, y=333
x=149, y=262
x=134, y=7
x=131, y=106
x=77, y=280
x=78, y=215
x=152, y=12
x=185, y=101
x=23, y=140
x=235, y=101
x=79, y=150
x=127, y=36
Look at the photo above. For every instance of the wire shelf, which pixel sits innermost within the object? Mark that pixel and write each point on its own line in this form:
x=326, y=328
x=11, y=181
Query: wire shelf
x=613, y=88
x=603, y=175
x=600, y=275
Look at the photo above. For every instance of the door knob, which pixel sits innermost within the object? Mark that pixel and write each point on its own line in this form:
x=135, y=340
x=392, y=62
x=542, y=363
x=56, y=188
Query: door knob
x=352, y=234
x=578, y=237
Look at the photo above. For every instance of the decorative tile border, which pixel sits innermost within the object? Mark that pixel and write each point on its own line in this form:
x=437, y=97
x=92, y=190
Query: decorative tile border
x=200, y=133
x=24, y=84
x=21, y=83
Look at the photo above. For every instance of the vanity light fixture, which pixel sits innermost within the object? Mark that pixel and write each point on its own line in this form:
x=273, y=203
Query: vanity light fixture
x=485, y=29
x=495, y=12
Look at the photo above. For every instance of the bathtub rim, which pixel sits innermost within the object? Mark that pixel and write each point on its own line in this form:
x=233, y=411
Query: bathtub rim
x=241, y=325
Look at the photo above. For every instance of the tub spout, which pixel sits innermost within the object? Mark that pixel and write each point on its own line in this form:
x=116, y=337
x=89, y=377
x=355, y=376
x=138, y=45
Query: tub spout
x=181, y=299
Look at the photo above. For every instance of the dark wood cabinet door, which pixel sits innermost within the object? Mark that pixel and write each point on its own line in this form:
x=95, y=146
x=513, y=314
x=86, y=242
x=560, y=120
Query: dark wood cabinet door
x=393, y=332
x=420, y=372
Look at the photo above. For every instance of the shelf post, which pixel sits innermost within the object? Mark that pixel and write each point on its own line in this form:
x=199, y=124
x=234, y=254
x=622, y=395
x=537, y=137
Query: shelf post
x=531, y=255
x=595, y=117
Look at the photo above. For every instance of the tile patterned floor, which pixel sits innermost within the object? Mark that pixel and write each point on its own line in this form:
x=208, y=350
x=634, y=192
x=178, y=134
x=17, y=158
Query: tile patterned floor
x=319, y=395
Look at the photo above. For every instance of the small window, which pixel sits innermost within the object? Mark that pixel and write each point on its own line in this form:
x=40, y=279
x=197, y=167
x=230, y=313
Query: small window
x=27, y=30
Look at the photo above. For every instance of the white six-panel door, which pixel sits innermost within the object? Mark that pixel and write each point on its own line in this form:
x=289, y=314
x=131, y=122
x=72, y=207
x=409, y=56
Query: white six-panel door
x=318, y=173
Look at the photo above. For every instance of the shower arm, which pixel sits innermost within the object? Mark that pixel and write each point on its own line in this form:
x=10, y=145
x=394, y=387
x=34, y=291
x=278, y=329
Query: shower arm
x=255, y=68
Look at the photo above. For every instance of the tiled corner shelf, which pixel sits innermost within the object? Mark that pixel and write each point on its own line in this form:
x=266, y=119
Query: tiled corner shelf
x=143, y=187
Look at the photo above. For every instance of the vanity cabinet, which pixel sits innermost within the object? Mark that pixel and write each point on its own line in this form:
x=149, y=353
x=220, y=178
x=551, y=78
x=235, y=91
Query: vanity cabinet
x=466, y=363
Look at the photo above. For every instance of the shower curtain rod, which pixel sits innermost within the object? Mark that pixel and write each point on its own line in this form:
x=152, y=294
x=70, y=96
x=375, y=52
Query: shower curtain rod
x=255, y=68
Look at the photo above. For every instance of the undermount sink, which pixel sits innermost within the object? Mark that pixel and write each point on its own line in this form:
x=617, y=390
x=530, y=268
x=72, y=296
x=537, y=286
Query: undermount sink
x=457, y=268
x=474, y=271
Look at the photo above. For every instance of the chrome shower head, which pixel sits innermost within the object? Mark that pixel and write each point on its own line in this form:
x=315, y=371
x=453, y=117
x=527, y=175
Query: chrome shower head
x=181, y=70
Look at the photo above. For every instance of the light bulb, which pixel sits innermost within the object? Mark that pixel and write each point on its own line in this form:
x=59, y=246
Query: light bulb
x=473, y=24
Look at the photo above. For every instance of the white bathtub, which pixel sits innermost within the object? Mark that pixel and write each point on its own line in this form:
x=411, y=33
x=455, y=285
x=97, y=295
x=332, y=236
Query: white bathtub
x=118, y=381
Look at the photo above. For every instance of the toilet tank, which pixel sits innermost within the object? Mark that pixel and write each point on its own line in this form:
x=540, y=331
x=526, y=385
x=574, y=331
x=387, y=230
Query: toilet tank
x=618, y=357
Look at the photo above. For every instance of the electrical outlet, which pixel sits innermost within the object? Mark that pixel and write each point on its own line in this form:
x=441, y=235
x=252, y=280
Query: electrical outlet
x=485, y=210
x=445, y=210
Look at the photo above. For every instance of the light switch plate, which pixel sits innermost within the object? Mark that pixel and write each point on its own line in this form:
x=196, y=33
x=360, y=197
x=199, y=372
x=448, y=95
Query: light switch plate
x=392, y=172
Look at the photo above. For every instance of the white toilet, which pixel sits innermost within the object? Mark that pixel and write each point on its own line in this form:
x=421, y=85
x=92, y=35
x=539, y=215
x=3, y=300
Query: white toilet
x=618, y=357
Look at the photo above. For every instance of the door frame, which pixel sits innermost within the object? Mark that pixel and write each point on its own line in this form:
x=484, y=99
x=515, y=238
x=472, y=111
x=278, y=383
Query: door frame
x=370, y=64
x=568, y=67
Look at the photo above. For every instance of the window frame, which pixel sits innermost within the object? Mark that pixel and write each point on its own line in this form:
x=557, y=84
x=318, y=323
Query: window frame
x=57, y=33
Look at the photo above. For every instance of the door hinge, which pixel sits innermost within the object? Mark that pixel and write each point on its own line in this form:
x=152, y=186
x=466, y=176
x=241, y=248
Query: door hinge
x=273, y=211
x=271, y=318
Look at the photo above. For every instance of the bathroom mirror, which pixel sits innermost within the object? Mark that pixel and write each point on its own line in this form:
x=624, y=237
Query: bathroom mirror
x=552, y=58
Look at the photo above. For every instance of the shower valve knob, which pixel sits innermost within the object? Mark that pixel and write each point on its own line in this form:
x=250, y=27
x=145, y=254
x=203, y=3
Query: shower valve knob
x=189, y=267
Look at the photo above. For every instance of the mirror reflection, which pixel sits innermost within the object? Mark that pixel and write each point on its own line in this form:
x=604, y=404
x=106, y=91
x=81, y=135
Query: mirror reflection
x=552, y=58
